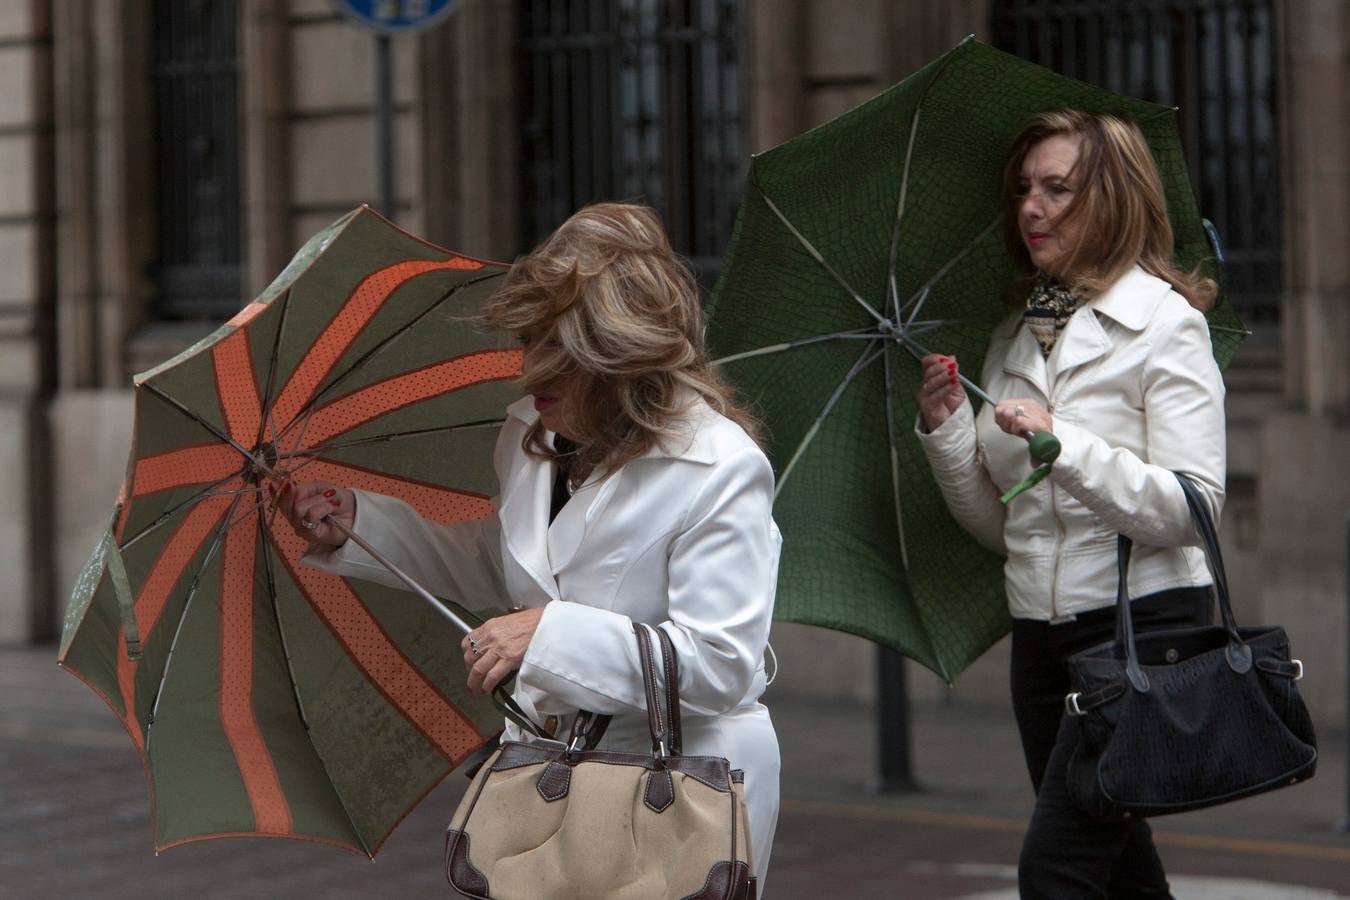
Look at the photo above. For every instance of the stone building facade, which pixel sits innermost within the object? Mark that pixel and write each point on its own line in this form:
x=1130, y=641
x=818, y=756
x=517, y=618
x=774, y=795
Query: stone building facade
x=83, y=171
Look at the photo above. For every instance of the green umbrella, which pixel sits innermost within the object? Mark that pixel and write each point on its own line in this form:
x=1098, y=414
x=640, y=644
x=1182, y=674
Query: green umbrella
x=265, y=697
x=857, y=245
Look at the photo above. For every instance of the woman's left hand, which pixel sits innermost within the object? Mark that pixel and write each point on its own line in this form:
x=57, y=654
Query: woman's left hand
x=1022, y=417
x=496, y=648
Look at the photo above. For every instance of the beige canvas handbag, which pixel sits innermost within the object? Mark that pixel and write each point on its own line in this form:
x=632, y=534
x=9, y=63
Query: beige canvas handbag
x=553, y=821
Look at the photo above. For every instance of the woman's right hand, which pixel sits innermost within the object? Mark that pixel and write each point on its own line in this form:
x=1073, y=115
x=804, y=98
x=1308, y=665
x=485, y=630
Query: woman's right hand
x=306, y=505
x=940, y=391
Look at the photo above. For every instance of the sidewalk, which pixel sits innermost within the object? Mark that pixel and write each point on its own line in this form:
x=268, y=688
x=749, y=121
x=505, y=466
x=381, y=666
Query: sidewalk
x=74, y=820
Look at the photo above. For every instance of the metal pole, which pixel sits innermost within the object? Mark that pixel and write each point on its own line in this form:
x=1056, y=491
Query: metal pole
x=1343, y=826
x=893, y=746
x=384, y=127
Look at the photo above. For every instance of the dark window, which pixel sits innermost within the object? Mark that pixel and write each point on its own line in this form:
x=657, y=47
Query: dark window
x=1215, y=60
x=634, y=100
x=197, y=118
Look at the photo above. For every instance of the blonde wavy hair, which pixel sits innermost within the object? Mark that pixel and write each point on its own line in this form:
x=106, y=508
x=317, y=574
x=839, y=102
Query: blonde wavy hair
x=1119, y=201
x=619, y=319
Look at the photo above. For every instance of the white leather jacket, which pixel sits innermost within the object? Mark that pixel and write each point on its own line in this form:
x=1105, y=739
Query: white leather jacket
x=1135, y=394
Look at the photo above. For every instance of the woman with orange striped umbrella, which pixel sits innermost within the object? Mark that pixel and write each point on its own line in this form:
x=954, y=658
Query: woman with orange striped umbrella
x=632, y=491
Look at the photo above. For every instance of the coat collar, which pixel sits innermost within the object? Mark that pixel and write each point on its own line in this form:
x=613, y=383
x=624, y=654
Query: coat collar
x=688, y=440
x=543, y=549
x=1131, y=301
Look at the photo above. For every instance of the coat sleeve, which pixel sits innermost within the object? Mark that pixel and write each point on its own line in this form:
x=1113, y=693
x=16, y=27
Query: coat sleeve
x=459, y=562
x=1183, y=397
x=722, y=565
x=971, y=495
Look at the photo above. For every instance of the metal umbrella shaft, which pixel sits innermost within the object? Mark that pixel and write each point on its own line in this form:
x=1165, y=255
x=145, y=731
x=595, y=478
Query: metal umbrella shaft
x=1043, y=446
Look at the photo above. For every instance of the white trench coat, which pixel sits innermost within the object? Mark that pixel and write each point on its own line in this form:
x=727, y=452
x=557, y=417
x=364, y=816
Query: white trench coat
x=681, y=538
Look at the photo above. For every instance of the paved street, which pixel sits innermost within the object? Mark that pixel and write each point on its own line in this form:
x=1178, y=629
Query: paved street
x=74, y=819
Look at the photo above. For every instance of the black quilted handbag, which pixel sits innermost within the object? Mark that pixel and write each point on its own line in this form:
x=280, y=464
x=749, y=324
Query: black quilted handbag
x=1175, y=720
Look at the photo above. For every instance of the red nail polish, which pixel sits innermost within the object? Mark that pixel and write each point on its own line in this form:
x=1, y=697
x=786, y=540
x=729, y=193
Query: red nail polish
x=329, y=493
x=335, y=502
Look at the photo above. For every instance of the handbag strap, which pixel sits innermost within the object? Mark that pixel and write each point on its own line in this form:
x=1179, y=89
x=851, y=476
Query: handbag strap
x=1239, y=654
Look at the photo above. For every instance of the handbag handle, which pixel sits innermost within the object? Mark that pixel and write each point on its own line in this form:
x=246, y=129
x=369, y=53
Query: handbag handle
x=1238, y=653
x=663, y=708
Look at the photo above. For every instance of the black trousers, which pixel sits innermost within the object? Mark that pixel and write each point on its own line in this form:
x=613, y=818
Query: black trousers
x=1067, y=854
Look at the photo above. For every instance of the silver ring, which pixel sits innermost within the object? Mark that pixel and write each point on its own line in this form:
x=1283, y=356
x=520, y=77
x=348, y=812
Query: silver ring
x=473, y=645
x=1019, y=411
x=305, y=523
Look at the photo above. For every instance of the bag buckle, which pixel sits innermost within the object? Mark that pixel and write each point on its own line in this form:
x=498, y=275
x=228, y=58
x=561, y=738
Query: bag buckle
x=1071, y=706
x=1298, y=665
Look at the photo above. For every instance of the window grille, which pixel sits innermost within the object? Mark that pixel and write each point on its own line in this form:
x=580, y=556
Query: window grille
x=1215, y=59
x=196, y=109
x=634, y=100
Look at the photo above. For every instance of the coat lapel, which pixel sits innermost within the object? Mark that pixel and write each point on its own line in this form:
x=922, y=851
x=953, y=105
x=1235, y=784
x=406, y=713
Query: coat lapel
x=524, y=516
x=576, y=518
x=1024, y=360
x=1131, y=302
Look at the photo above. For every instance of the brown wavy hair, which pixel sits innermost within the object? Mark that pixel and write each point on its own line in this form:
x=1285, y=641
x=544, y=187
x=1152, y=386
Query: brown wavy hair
x=1119, y=201
x=619, y=317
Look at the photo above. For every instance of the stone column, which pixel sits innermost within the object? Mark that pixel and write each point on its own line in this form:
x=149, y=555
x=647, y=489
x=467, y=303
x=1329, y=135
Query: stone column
x=265, y=105
x=469, y=116
x=27, y=284
x=1314, y=77
x=1303, y=494
x=104, y=247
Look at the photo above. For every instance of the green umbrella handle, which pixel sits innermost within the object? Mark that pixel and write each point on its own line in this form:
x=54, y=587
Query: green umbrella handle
x=1044, y=448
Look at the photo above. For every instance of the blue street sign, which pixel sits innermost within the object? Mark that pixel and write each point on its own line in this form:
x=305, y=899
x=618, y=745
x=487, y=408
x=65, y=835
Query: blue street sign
x=396, y=16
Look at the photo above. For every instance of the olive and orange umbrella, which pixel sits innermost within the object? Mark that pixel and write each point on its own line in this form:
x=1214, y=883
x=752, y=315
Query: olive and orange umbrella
x=266, y=697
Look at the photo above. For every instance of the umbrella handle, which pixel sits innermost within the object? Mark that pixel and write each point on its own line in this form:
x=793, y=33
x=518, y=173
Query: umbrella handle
x=1044, y=448
x=507, y=705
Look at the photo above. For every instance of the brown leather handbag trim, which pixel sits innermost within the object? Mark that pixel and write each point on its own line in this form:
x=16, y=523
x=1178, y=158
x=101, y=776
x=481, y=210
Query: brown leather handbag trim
x=726, y=881
x=462, y=875
x=554, y=781
x=713, y=771
x=660, y=792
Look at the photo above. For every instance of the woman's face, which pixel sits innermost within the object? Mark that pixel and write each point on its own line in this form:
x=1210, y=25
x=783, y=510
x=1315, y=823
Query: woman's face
x=550, y=397
x=1045, y=189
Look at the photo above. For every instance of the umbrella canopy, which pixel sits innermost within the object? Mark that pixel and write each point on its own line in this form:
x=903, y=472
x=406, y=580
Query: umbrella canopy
x=265, y=697
x=856, y=245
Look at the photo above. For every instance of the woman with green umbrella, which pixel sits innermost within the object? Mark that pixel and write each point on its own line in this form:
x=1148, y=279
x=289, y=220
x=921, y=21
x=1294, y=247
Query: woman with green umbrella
x=1110, y=352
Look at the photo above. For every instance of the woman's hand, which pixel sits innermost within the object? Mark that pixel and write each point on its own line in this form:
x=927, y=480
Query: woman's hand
x=496, y=648
x=1022, y=417
x=940, y=391
x=306, y=505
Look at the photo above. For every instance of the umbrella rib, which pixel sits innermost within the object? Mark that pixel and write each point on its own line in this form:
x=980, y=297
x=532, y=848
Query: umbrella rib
x=894, y=298
x=311, y=405
x=269, y=394
x=270, y=575
x=792, y=345
x=869, y=354
x=320, y=449
x=921, y=293
x=815, y=254
x=895, y=465
x=182, y=618
x=206, y=493
x=199, y=420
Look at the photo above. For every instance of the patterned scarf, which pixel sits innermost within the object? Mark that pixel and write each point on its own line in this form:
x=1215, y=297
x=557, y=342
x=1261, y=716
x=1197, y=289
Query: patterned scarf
x=1049, y=309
